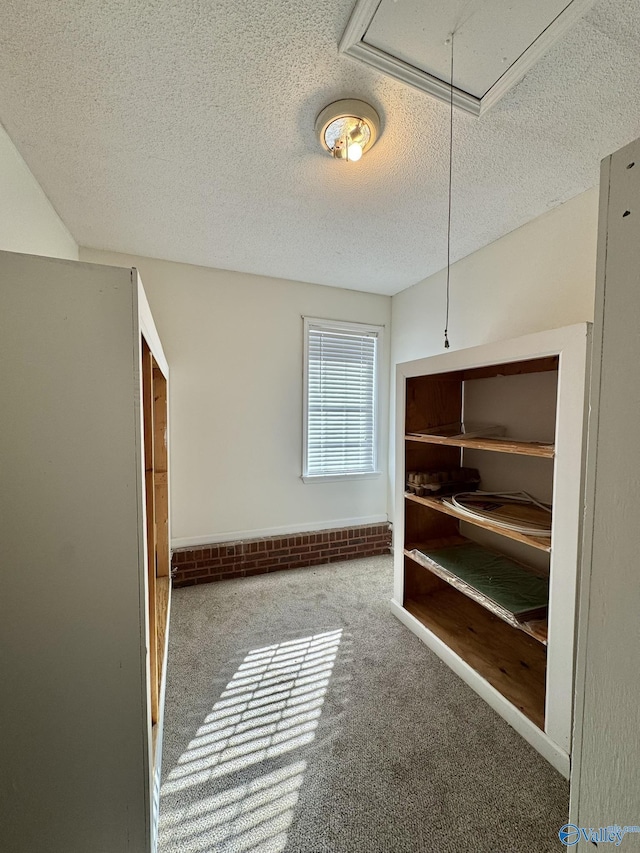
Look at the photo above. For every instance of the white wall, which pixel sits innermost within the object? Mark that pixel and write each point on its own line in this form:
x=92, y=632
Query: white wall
x=28, y=221
x=234, y=346
x=539, y=277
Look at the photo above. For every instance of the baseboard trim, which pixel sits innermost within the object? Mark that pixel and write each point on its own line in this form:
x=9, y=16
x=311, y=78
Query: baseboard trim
x=254, y=556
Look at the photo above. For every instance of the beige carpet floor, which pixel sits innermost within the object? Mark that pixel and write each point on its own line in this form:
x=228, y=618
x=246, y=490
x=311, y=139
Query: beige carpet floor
x=302, y=717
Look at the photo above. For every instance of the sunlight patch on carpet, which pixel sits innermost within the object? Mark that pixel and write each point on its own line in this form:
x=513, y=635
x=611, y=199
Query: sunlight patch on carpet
x=270, y=708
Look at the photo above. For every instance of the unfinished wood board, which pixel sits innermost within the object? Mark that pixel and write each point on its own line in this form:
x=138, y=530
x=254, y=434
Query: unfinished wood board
x=147, y=420
x=162, y=612
x=417, y=581
x=424, y=523
x=538, y=628
x=431, y=401
x=513, y=368
x=542, y=543
x=508, y=659
x=430, y=457
x=160, y=474
x=499, y=445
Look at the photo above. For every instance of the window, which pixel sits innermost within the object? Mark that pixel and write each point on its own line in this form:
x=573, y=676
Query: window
x=340, y=399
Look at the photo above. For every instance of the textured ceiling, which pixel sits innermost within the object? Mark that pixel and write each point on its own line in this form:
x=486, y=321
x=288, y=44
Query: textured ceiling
x=184, y=130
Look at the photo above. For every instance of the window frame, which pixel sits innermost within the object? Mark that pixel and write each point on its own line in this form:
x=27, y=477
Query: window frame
x=338, y=326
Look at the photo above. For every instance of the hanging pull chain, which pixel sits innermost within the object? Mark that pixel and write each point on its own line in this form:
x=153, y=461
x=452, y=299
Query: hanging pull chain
x=446, y=323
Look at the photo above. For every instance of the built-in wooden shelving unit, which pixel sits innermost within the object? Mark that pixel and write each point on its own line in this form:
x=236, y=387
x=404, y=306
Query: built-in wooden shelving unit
x=519, y=658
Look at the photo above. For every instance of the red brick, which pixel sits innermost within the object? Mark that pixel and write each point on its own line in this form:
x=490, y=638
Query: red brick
x=258, y=571
x=192, y=573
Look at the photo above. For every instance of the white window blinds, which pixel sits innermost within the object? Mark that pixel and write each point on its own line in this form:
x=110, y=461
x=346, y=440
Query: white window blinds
x=341, y=373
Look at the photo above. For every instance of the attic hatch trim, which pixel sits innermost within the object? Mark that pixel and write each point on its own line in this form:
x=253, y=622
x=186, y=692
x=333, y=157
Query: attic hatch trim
x=352, y=45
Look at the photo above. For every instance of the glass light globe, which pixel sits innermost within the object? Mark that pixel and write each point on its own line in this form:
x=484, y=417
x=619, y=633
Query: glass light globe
x=354, y=151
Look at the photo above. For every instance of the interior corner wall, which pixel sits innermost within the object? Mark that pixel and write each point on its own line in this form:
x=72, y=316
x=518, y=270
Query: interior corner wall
x=28, y=221
x=540, y=276
x=234, y=343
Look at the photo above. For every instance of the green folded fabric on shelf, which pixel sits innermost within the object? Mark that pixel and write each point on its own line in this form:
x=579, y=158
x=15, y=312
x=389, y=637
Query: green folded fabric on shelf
x=502, y=580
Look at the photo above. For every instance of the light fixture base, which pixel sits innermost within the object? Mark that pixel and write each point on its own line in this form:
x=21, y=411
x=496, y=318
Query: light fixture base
x=346, y=124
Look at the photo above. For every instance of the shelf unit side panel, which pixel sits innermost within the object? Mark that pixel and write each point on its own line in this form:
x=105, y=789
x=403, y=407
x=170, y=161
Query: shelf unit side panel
x=566, y=535
x=604, y=777
x=69, y=525
x=399, y=508
x=154, y=550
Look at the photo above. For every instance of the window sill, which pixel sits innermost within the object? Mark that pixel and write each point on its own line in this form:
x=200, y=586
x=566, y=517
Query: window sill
x=338, y=478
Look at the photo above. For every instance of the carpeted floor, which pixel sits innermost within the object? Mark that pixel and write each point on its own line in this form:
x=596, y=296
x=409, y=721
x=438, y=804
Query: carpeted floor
x=302, y=717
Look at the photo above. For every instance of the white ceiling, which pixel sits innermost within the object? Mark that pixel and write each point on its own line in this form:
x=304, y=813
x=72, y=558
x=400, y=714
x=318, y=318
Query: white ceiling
x=184, y=130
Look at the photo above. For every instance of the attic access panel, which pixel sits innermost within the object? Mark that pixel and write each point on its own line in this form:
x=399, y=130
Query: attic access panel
x=496, y=42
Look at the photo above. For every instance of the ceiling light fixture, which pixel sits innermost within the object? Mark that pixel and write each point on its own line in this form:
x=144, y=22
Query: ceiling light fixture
x=348, y=128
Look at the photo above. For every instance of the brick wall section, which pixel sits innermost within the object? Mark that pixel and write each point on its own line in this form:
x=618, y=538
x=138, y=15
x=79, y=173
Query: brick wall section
x=208, y=563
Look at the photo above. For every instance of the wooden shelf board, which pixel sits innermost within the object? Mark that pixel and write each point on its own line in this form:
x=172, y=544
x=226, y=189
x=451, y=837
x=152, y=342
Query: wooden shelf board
x=542, y=543
x=499, y=445
x=536, y=628
x=508, y=659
